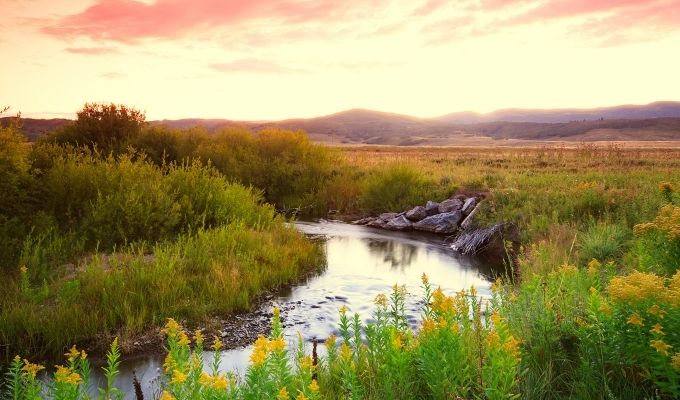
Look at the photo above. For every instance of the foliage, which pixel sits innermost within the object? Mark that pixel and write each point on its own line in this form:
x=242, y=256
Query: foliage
x=106, y=127
x=394, y=187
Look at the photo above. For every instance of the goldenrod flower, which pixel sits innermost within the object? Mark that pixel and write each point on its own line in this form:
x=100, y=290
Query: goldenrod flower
x=675, y=361
x=635, y=319
x=314, y=387
x=220, y=382
x=424, y=279
x=343, y=309
x=594, y=266
x=31, y=369
x=23, y=269
x=345, y=352
x=283, y=394
x=301, y=396
x=656, y=310
x=657, y=329
x=277, y=344
x=605, y=308
x=198, y=337
x=492, y=339
x=65, y=375
x=660, y=346
x=396, y=342
x=495, y=318
x=178, y=377
x=428, y=325
x=169, y=364
x=380, y=300
x=73, y=353
x=330, y=342
x=306, y=362
x=83, y=354
x=171, y=328
x=512, y=346
x=473, y=291
x=167, y=396
x=217, y=344
x=184, y=339
x=205, y=379
x=73, y=379
x=666, y=187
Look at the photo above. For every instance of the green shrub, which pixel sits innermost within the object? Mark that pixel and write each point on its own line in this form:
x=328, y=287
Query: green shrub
x=394, y=188
x=602, y=241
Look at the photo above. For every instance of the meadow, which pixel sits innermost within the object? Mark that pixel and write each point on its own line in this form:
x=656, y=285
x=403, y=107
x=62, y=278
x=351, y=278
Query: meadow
x=589, y=309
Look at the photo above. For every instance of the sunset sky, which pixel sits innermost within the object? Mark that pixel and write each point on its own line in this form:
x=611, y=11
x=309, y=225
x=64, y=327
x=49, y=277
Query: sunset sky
x=274, y=59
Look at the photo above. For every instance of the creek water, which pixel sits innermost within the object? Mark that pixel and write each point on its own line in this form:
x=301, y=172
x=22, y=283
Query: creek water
x=361, y=263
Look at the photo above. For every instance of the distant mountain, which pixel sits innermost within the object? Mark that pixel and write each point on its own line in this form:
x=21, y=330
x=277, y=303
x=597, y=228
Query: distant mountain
x=661, y=109
x=656, y=121
x=34, y=128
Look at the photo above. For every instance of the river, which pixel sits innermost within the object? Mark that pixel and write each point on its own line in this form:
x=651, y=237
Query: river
x=361, y=263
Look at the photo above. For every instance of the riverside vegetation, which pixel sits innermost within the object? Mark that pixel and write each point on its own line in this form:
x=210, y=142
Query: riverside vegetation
x=594, y=312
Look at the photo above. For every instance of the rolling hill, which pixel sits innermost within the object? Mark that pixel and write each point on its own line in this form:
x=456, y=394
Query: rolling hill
x=654, y=122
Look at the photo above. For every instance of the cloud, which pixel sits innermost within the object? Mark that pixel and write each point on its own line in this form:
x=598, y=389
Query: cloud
x=254, y=66
x=92, y=51
x=112, y=75
x=129, y=21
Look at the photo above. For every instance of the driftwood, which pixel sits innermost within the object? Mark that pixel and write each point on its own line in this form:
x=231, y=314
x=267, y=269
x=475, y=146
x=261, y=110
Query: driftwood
x=477, y=240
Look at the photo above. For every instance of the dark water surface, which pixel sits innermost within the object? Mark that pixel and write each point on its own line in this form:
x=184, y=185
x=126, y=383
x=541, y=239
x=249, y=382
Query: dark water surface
x=361, y=263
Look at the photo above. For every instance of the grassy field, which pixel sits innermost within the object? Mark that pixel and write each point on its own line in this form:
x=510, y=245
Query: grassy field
x=593, y=311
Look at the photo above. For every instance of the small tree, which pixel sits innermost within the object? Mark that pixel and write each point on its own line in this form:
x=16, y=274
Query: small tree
x=108, y=127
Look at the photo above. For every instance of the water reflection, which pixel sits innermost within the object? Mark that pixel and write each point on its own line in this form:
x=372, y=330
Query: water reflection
x=361, y=263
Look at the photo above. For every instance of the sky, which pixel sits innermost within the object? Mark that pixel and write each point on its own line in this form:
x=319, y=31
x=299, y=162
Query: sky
x=276, y=59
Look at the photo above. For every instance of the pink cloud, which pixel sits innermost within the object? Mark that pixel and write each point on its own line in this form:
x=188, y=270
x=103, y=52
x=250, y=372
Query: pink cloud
x=128, y=21
x=92, y=51
x=256, y=66
x=429, y=7
x=112, y=75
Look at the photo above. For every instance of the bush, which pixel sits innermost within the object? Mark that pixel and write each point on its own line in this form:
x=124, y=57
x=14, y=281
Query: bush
x=602, y=241
x=394, y=188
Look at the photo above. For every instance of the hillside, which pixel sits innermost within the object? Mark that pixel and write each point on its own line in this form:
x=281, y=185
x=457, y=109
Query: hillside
x=654, y=122
x=661, y=109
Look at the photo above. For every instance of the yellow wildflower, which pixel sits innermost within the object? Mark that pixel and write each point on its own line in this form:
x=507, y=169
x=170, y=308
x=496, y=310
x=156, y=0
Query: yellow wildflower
x=380, y=300
x=636, y=286
x=656, y=310
x=169, y=364
x=258, y=357
x=205, y=379
x=283, y=394
x=23, y=269
x=74, y=379
x=171, y=328
x=345, y=352
x=277, y=344
x=343, y=309
x=217, y=344
x=496, y=286
x=428, y=325
x=198, y=337
x=512, y=346
x=83, y=354
x=301, y=396
x=675, y=361
x=635, y=319
x=306, y=363
x=167, y=396
x=65, y=375
x=220, y=382
x=473, y=291
x=495, y=318
x=30, y=369
x=178, y=377
x=314, y=387
x=330, y=342
x=73, y=353
x=424, y=279
x=492, y=339
x=605, y=308
x=184, y=339
x=660, y=346
x=592, y=291
x=594, y=266
x=396, y=342
x=657, y=329
x=455, y=328
x=567, y=269
x=666, y=187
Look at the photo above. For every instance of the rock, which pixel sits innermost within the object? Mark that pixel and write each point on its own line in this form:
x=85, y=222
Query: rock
x=387, y=216
x=469, y=205
x=432, y=207
x=440, y=223
x=416, y=213
x=363, y=221
x=449, y=205
x=377, y=223
x=399, y=223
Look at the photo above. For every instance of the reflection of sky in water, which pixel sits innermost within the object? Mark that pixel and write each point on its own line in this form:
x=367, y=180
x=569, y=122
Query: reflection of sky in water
x=361, y=263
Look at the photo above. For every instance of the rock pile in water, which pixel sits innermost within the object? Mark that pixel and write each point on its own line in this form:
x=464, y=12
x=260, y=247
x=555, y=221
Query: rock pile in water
x=446, y=217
